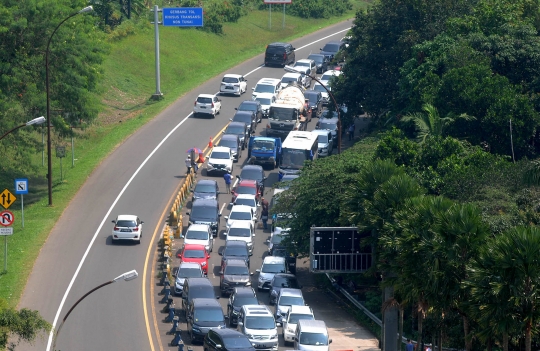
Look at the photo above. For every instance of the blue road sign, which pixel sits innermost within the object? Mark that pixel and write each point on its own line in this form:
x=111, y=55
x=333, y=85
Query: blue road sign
x=21, y=186
x=183, y=17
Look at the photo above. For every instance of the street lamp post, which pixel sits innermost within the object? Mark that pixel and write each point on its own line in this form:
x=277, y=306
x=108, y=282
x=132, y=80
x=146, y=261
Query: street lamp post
x=291, y=69
x=126, y=276
x=38, y=120
x=49, y=155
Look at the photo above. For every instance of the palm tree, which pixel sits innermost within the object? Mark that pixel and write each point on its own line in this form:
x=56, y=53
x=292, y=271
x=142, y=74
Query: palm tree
x=430, y=123
x=511, y=277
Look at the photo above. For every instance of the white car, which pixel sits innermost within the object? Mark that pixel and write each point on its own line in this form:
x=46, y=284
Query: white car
x=290, y=321
x=220, y=160
x=267, y=85
x=241, y=213
x=290, y=78
x=233, y=84
x=243, y=231
x=307, y=66
x=199, y=234
x=127, y=227
x=248, y=200
x=276, y=237
x=266, y=99
x=207, y=104
x=328, y=75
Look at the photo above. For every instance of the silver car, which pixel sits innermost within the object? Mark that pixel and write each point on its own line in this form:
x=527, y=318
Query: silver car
x=324, y=138
x=287, y=297
x=186, y=270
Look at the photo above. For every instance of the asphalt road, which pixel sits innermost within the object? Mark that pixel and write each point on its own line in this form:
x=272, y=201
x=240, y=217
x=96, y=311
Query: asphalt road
x=139, y=177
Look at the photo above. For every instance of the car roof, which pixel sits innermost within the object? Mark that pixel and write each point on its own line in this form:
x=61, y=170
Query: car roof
x=318, y=55
x=195, y=226
x=281, y=231
x=305, y=60
x=244, y=290
x=235, y=243
x=206, y=181
x=273, y=259
x=278, y=43
x=241, y=208
x=206, y=95
x=290, y=292
x=199, y=281
x=126, y=218
x=200, y=302
x=252, y=167
x=258, y=309
x=240, y=224
x=230, y=136
x=246, y=196
x=272, y=81
x=332, y=71
x=189, y=265
x=244, y=112
x=237, y=124
x=284, y=275
x=321, y=131
x=311, y=325
x=193, y=247
x=250, y=102
x=232, y=75
x=291, y=75
x=228, y=333
x=204, y=202
x=248, y=182
x=334, y=42
x=311, y=92
x=329, y=120
x=221, y=148
x=301, y=309
x=235, y=262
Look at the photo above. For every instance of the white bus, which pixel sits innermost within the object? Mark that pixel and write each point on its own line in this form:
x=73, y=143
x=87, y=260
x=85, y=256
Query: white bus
x=298, y=147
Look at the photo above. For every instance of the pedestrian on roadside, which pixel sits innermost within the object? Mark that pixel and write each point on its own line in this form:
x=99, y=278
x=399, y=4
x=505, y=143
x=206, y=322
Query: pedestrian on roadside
x=264, y=213
x=409, y=346
x=194, y=165
x=227, y=177
x=351, y=131
x=188, y=164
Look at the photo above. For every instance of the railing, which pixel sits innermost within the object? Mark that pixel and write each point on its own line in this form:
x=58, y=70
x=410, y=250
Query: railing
x=340, y=262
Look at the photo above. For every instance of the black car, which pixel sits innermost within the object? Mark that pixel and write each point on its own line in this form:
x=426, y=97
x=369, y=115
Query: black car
x=321, y=62
x=226, y=340
x=254, y=172
x=205, y=211
x=315, y=102
x=247, y=117
x=282, y=280
x=330, y=124
x=232, y=141
x=331, y=48
x=282, y=251
x=240, y=129
x=235, y=249
x=279, y=54
x=206, y=189
x=202, y=315
x=239, y=297
x=196, y=287
x=252, y=105
x=235, y=273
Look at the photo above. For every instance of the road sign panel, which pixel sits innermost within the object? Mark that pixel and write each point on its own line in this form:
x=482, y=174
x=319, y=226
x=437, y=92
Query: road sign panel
x=6, y=218
x=183, y=17
x=21, y=186
x=7, y=198
x=6, y=231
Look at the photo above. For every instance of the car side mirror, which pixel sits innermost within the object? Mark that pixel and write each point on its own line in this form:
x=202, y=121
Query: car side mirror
x=187, y=213
x=113, y=221
x=278, y=324
x=240, y=323
x=220, y=253
x=217, y=297
x=295, y=338
x=330, y=341
x=268, y=240
x=236, y=108
x=226, y=217
x=207, y=157
x=264, y=178
x=237, y=177
x=253, y=88
x=230, y=119
x=253, y=235
x=218, y=346
x=250, y=273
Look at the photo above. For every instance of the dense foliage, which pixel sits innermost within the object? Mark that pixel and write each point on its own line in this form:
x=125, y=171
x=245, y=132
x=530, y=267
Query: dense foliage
x=16, y=326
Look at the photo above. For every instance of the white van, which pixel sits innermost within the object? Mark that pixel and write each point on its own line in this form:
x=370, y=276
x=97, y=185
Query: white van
x=311, y=335
x=258, y=324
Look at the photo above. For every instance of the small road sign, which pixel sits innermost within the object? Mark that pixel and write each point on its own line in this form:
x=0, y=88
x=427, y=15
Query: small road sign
x=7, y=198
x=183, y=17
x=21, y=186
x=6, y=218
x=6, y=231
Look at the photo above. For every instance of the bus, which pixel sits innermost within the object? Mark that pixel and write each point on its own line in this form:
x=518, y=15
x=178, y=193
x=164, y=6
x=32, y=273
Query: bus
x=299, y=146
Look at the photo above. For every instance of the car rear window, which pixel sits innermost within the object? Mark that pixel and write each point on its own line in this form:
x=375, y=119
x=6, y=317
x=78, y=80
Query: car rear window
x=229, y=80
x=242, y=118
x=229, y=143
x=275, y=50
x=247, y=107
x=246, y=190
x=234, y=130
x=126, y=224
x=252, y=174
x=204, y=100
x=264, y=88
x=331, y=47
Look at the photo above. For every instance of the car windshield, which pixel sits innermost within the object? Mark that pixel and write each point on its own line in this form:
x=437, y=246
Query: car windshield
x=236, y=270
x=293, y=158
x=126, y=224
x=327, y=125
x=230, y=80
x=317, y=339
x=247, y=202
x=247, y=107
x=280, y=252
x=263, y=145
x=285, y=282
x=203, y=292
x=252, y=174
x=204, y=213
x=295, y=317
x=318, y=87
x=239, y=232
x=275, y=50
x=194, y=254
x=239, y=215
x=313, y=98
x=264, y=101
x=205, y=188
x=235, y=251
x=273, y=268
x=288, y=80
x=316, y=58
x=291, y=301
x=282, y=114
x=322, y=138
x=261, y=323
x=242, y=117
x=220, y=155
x=189, y=273
x=208, y=315
x=328, y=114
x=264, y=88
x=241, y=301
x=331, y=47
x=236, y=342
x=204, y=100
x=277, y=238
x=233, y=144
x=234, y=130
x=246, y=190
x=197, y=235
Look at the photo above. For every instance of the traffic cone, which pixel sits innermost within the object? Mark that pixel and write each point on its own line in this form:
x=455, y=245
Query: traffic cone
x=210, y=144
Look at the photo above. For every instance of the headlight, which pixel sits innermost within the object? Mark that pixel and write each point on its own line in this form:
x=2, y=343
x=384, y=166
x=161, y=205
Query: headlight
x=290, y=330
x=261, y=279
x=248, y=284
x=210, y=165
x=235, y=312
x=274, y=336
x=249, y=336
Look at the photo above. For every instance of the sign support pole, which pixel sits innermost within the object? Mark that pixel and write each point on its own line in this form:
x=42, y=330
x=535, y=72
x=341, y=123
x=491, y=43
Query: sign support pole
x=283, y=16
x=158, y=95
x=270, y=23
x=5, y=254
x=22, y=209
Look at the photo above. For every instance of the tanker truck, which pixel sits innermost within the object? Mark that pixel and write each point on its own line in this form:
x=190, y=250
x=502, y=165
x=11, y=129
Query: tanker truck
x=289, y=112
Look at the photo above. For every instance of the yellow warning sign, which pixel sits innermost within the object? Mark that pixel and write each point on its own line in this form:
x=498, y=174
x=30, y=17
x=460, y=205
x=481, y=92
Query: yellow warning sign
x=7, y=198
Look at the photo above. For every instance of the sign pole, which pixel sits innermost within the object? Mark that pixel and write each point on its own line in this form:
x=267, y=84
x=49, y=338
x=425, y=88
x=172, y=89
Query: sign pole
x=270, y=23
x=5, y=254
x=283, y=16
x=158, y=93
x=22, y=210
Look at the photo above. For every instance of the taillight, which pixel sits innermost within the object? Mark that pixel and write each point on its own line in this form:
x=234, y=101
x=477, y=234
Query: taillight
x=212, y=104
x=116, y=229
x=136, y=229
x=284, y=56
x=195, y=103
x=268, y=126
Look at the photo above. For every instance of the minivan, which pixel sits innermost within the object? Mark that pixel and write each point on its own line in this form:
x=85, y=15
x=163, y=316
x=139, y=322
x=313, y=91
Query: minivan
x=205, y=211
x=279, y=54
x=311, y=335
x=196, y=287
x=204, y=314
x=271, y=266
x=258, y=324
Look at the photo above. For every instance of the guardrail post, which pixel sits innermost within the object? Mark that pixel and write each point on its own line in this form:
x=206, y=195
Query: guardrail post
x=181, y=346
x=164, y=277
x=166, y=294
x=177, y=337
x=175, y=321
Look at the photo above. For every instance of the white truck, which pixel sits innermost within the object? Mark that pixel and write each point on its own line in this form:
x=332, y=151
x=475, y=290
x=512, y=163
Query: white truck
x=289, y=112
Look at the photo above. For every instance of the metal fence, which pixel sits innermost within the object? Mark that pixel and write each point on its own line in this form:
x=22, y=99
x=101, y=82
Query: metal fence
x=340, y=262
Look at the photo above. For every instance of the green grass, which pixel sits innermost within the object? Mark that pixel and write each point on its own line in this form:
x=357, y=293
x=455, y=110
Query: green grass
x=188, y=58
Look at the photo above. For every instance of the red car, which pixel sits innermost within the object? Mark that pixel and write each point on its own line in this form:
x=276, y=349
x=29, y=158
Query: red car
x=246, y=186
x=195, y=254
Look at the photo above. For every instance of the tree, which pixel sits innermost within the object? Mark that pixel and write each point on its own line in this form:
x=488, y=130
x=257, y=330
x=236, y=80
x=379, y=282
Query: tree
x=23, y=325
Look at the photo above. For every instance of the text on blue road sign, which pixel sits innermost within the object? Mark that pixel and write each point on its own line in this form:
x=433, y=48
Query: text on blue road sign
x=183, y=17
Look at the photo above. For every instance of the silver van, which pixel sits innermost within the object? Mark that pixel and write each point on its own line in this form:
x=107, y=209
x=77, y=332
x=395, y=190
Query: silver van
x=311, y=335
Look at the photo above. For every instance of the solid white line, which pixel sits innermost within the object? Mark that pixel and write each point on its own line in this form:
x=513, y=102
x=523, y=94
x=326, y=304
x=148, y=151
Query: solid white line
x=51, y=334
x=326, y=37
x=220, y=211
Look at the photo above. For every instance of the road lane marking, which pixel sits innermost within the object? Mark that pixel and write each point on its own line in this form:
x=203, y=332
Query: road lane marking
x=326, y=37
